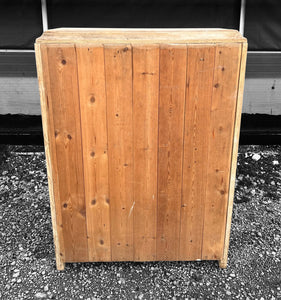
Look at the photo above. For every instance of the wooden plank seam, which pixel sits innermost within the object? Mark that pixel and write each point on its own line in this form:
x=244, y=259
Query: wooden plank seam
x=134, y=168
x=109, y=195
x=81, y=132
x=183, y=145
x=208, y=151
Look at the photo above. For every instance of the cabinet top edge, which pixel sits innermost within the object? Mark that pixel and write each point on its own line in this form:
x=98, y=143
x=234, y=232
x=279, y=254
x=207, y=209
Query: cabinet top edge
x=140, y=35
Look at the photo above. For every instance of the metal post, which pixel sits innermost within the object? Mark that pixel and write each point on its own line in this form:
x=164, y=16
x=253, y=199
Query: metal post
x=44, y=14
x=242, y=17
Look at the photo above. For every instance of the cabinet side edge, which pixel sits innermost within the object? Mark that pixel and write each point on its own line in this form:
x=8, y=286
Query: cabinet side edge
x=45, y=124
x=235, y=145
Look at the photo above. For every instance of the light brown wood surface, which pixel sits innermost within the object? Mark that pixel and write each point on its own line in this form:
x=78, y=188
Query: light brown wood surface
x=91, y=74
x=170, y=152
x=200, y=68
x=223, y=106
x=235, y=144
x=62, y=92
x=50, y=152
x=119, y=94
x=145, y=146
x=139, y=36
x=141, y=130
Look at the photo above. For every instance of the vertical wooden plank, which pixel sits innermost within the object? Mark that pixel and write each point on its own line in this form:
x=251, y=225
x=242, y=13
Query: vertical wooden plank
x=223, y=261
x=50, y=152
x=118, y=73
x=200, y=68
x=90, y=60
x=145, y=128
x=171, y=124
x=63, y=93
x=225, y=86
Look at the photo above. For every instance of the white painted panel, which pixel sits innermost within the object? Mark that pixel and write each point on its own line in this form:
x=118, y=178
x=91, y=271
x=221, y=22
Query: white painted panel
x=19, y=95
x=263, y=96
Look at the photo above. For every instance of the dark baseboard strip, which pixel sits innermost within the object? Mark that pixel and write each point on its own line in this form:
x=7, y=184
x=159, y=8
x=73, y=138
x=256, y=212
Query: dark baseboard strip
x=21, y=130
x=260, y=129
x=259, y=138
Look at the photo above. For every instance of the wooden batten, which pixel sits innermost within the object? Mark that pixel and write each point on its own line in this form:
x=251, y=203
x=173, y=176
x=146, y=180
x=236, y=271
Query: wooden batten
x=50, y=163
x=239, y=104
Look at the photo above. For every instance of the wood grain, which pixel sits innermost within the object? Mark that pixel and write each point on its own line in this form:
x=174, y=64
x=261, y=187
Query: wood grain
x=50, y=152
x=90, y=61
x=235, y=144
x=145, y=131
x=118, y=74
x=171, y=124
x=141, y=36
x=220, y=138
x=62, y=92
x=141, y=133
x=200, y=68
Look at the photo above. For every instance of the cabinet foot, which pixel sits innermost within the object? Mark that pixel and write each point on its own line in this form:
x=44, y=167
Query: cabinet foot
x=223, y=263
x=60, y=265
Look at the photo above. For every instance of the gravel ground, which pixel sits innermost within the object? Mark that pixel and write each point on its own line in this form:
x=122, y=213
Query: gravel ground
x=27, y=263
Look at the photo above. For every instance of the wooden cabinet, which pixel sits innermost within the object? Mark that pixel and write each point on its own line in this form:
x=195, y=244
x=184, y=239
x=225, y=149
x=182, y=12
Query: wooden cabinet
x=141, y=132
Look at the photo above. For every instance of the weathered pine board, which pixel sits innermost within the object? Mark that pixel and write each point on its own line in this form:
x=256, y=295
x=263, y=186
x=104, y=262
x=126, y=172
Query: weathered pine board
x=235, y=144
x=223, y=109
x=139, y=142
x=62, y=91
x=141, y=35
x=200, y=68
x=50, y=152
x=145, y=148
x=172, y=90
x=119, y=95
x=91, y=74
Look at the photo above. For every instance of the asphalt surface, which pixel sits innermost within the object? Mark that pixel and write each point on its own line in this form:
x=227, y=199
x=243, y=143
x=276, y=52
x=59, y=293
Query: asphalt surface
x=27, y=260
